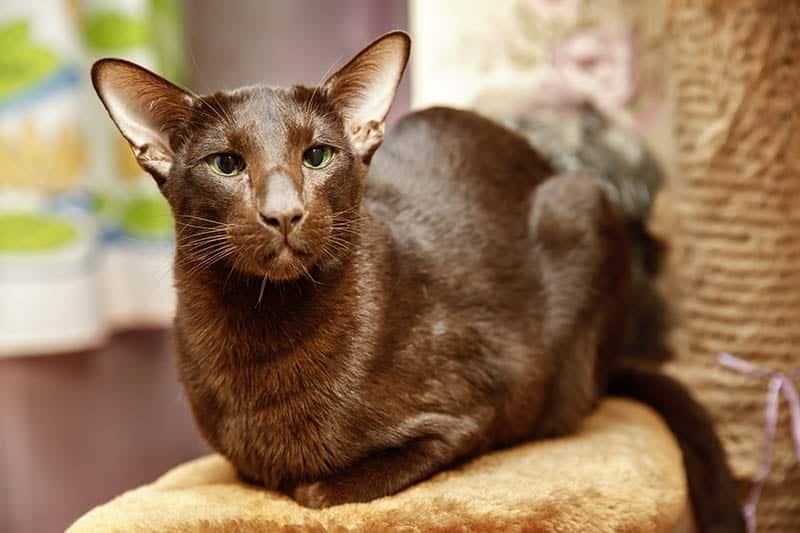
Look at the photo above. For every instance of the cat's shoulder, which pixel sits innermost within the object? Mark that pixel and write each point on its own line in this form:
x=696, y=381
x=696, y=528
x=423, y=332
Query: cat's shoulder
x=442, y=118
x=458, y=129
x=442, y=115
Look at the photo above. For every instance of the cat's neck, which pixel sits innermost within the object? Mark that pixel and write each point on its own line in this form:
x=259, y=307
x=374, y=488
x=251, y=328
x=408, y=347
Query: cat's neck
x=229, y=291
x=234, y=309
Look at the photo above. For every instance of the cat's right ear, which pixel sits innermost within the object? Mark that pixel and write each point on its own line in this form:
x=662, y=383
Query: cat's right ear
x=148, y=110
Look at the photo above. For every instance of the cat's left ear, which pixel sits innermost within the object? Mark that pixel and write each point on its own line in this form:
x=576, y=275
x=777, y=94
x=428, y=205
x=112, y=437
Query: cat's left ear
x=363, y=90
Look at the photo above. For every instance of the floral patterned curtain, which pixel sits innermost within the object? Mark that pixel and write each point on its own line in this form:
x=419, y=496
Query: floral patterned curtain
x=85, y=242
x=85, y=238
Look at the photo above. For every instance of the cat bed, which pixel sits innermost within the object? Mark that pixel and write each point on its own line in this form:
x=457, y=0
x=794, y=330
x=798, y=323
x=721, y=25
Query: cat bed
x=621, y=472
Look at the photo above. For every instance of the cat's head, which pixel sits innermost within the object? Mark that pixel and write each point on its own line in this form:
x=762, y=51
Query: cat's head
x=267, y=180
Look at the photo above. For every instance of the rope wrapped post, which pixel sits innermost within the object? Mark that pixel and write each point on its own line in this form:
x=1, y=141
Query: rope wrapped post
x=733, y=205
x=779, y=384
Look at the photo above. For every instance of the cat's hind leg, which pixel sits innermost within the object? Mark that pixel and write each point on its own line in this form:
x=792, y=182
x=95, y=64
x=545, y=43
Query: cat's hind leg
x=581, y=253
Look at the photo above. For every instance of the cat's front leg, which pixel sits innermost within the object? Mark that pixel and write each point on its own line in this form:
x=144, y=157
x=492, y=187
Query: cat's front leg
x=380, y=474
x=421, y=445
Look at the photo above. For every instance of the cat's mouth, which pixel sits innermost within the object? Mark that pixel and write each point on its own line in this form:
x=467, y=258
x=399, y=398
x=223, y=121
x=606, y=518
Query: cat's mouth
x=287, y=263
x=275, y=257
x=287, y=252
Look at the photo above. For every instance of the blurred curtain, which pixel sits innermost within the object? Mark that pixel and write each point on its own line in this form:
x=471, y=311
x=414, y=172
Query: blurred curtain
x=285, y=43
x=85, y=237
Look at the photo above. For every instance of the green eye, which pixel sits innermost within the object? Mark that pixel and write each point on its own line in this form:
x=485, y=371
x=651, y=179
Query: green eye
x=317, y=156
x=225, y=164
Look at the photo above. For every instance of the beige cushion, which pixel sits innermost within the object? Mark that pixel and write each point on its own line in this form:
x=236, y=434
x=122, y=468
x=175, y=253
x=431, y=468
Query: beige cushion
x=621, y=472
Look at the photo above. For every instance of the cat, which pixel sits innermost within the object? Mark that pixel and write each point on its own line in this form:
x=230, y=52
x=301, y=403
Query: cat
x=579, y=138
x=351, y=320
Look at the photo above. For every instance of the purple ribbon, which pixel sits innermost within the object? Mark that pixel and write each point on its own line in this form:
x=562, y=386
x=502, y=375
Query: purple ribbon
x=779, y=382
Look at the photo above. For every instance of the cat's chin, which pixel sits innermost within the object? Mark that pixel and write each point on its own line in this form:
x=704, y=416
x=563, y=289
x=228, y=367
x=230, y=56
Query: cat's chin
x=285, y=265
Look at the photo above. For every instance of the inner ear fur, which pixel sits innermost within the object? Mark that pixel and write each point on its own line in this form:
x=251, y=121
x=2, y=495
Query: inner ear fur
x=148, y=110
x=364, y=89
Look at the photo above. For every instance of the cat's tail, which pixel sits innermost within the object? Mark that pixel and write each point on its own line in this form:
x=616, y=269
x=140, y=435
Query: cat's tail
x=712, y=489
x=649, y=319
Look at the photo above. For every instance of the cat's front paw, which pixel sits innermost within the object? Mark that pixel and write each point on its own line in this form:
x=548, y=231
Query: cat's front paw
x=317, y=495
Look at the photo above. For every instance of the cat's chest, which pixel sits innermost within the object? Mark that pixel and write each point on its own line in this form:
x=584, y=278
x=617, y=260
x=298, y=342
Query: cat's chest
x=290, y=439
x=277, y=420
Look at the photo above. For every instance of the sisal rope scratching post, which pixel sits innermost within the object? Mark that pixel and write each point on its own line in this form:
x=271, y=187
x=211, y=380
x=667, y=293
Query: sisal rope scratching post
x=733, y=204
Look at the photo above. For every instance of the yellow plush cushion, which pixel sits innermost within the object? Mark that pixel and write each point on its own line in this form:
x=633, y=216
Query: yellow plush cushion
x=621, y=472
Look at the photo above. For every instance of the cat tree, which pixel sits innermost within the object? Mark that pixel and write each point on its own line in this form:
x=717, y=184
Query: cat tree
x=733, y=208
x=621, y=472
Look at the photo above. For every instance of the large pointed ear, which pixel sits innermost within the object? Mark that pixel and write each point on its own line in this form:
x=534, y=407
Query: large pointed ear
x=148, y=110
x=363, y=90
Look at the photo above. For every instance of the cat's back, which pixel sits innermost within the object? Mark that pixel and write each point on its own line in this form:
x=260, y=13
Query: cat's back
x=460, y=153
x=455, y=180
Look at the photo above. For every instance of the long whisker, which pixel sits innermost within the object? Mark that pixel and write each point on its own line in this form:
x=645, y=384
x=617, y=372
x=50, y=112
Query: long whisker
x=219, y=111
x=339, y=240
x=203, y=112
x=261, y=292
x=343, y=211
x=210, y=244
x=195, y=237
x=205, y=229
x=308, y=275
x=202, y=249
x=346, y=229
x=307, y=110
x=201, y=256
x=202, y=218
x=234, y=265
x=332, y=247
x=213, y=258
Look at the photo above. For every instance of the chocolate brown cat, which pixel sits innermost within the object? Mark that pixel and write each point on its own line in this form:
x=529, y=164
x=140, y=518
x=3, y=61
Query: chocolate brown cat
x=353, y=320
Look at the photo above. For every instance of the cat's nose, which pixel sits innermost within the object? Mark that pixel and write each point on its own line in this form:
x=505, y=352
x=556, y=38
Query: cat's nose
x=284, y=222
x=280, y=207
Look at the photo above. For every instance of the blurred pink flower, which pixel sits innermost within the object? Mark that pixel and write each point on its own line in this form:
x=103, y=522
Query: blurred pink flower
x=555, y=9
x=595, y=65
